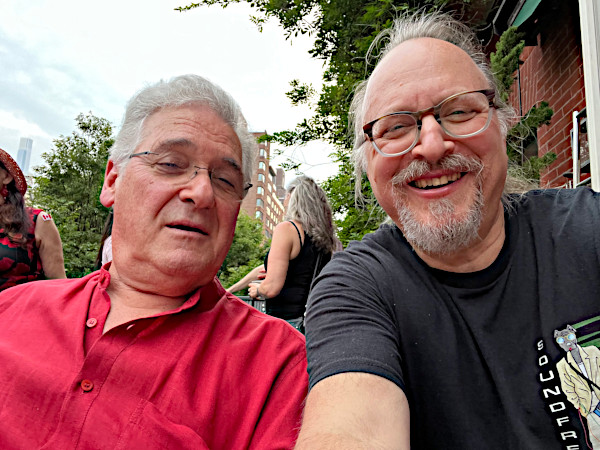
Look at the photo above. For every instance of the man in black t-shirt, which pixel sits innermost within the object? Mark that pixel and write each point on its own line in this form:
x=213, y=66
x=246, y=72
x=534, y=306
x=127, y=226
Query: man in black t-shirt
x=438, y=330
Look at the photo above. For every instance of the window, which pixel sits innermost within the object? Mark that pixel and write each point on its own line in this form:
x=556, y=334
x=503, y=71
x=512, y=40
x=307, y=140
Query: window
x=261, y=165
x=260, y=190
x=261, y=177
x=259, y=215
x=263, y=153
x=259, y=202
x=269, y=186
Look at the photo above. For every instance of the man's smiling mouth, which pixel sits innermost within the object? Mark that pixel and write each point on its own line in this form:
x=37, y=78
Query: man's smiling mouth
x=433, y=183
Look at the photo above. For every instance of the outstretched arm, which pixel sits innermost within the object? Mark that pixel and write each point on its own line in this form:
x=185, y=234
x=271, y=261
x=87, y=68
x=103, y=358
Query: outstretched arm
x=355, y=410
x=244, y=282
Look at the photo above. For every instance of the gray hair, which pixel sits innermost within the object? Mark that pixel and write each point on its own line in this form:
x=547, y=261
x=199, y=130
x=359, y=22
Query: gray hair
x=308, y=205
x=180, y=91
x=435, y=25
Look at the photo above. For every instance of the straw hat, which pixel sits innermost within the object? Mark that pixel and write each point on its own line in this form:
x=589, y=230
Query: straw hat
x=13, y=168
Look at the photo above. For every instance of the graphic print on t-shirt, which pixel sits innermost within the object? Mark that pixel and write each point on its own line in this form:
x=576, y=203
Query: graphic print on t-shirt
x=578, y=373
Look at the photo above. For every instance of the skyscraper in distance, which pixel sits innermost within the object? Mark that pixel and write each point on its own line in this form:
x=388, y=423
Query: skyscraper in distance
x=24, y=154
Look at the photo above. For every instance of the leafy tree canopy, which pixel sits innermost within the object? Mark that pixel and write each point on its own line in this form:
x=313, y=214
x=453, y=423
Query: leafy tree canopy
x=68, y=186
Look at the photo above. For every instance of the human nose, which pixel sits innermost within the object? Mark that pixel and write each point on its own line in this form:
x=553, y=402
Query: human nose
x=433, y=143
x=199, y=189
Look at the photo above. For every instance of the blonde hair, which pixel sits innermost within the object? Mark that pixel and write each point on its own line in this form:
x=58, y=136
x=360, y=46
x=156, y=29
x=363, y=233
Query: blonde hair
x=308, y=205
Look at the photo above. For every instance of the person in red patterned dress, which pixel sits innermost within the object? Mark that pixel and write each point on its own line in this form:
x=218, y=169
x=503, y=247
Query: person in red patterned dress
x=30, y=245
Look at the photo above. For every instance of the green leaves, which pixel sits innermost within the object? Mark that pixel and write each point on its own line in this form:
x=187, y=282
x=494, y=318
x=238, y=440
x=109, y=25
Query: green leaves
x=247, y=251
x=505, y=60
x=69, y=185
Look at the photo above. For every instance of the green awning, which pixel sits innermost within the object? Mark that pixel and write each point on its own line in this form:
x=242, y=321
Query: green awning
x=526, y=12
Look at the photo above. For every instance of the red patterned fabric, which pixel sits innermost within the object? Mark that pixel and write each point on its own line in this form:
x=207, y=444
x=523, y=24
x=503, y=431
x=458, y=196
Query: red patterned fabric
x=20, y=264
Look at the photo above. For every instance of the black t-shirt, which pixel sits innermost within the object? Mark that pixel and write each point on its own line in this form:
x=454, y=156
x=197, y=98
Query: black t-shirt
x=474, y=353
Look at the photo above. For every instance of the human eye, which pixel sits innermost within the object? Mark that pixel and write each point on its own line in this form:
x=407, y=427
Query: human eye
x=226, y=180
x=464, y=107
x=171, y=164
x=394, y=126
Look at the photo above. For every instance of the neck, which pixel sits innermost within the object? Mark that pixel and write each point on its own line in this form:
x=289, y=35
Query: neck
x=128, y=302
x=475, y=257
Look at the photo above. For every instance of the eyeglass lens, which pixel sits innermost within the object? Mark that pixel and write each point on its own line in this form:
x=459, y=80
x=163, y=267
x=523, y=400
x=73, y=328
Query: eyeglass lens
x=460, y=116
x=226, y=180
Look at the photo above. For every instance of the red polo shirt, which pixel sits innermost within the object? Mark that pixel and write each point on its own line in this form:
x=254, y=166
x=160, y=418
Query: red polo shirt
x=214, y=373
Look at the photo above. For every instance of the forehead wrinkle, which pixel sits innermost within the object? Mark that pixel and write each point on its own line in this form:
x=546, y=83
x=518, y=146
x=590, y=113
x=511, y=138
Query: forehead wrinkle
x=176, y=143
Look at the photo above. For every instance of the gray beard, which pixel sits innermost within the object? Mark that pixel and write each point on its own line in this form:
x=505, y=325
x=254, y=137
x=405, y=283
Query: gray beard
x=447, y=233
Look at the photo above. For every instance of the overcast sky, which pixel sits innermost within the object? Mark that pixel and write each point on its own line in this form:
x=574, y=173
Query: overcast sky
x=64, y=57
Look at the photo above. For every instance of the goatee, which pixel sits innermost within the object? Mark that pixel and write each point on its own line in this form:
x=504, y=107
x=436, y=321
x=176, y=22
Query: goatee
x=445, y=232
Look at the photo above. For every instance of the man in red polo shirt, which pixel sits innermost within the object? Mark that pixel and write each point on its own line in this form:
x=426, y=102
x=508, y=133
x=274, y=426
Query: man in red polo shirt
x=150, y=351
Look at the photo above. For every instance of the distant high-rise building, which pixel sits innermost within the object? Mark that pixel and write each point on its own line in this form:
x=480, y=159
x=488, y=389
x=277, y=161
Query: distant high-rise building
x=24, y=154
x=263, y=200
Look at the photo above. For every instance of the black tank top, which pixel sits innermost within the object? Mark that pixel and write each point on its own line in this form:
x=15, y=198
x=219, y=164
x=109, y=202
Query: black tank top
x=291, y=301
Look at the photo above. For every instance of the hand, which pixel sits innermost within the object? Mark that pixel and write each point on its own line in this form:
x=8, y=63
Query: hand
x=253, y=290
x=262, y=274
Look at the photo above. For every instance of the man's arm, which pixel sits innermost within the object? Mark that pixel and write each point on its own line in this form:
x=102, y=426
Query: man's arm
x=355, y=411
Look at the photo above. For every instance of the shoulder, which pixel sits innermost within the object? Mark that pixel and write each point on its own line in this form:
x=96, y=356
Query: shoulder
x=267, y=330
x=556, y=207
x=39, y=216
x=46, y=294
x=286, y=227
x=375, y=248
x=554, y=198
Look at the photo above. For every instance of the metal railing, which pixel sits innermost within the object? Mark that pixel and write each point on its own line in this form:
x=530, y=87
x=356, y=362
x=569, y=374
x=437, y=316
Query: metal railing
x=258, y=304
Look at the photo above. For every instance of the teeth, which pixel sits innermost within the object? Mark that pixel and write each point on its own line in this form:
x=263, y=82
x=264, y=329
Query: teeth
x=443, y=180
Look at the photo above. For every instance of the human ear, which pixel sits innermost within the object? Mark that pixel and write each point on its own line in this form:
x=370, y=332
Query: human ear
x=107, y=195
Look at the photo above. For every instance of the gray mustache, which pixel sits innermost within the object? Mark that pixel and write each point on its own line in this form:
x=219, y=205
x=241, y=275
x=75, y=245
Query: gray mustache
x=454, y=162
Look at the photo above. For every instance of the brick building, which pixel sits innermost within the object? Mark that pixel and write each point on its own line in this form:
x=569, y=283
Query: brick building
x=552, y=70
x=265, y=198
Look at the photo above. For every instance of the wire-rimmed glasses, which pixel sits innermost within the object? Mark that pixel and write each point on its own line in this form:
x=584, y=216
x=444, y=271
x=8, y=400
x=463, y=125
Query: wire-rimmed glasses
x=461, y=115
x=227, y=180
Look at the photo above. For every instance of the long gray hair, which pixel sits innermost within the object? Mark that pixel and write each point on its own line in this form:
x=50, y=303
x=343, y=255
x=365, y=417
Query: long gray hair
x=308, y=205
x=180, y=91
x=435, y=25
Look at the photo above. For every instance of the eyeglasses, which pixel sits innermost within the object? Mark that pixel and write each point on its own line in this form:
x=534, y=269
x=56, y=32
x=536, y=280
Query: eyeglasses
x=561, y=339
x=461, y=116
x=175, y=167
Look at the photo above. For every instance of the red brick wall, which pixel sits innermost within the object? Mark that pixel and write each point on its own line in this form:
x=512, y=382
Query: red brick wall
x=552, y=71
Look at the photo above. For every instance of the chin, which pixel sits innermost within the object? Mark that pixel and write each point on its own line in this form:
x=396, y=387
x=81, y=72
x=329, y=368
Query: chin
x=443, y=230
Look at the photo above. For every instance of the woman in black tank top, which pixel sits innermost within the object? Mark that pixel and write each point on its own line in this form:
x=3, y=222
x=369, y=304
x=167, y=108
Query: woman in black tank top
x=300, y=247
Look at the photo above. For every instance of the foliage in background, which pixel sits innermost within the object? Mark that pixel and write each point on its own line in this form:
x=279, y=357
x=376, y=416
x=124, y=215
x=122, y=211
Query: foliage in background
x=505, y=62
x=247, y=251
x=68, y=187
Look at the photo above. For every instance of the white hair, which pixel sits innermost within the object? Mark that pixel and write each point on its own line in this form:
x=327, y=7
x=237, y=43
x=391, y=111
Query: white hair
x=180, y=91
